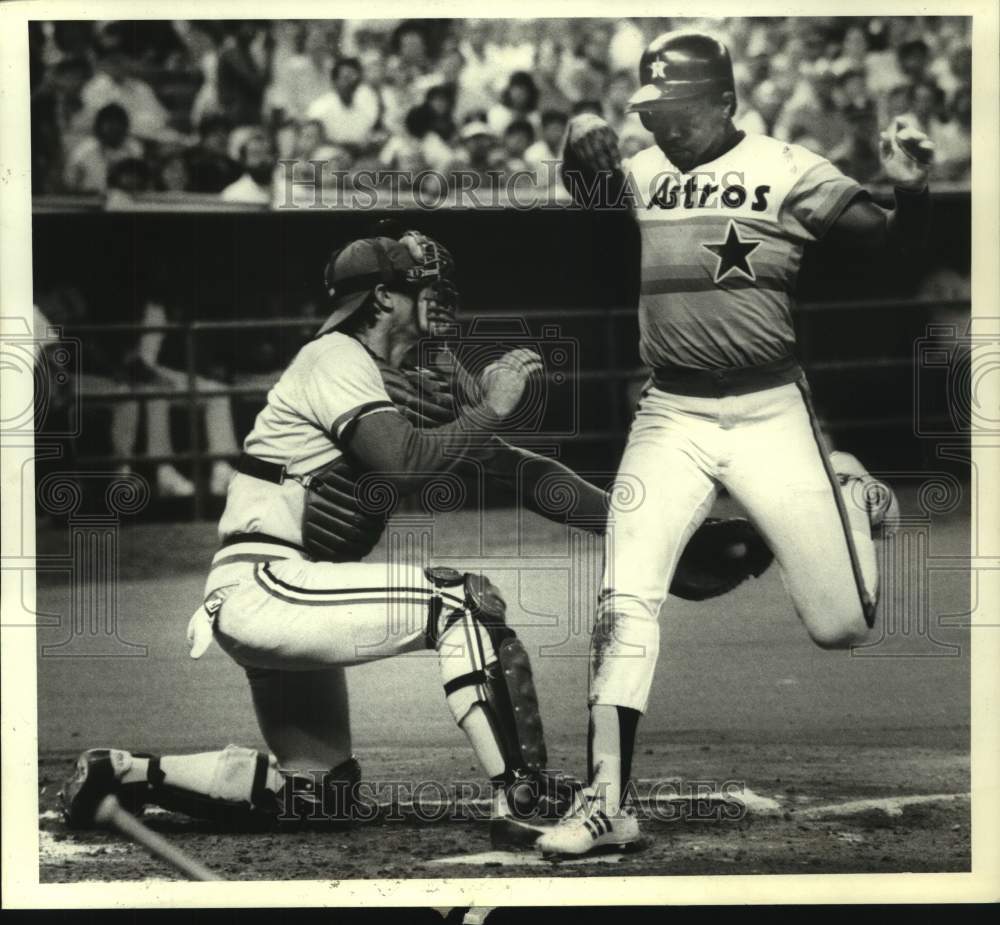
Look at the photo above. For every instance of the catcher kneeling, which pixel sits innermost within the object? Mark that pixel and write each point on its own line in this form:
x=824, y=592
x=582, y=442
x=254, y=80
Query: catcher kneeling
x=290, y=598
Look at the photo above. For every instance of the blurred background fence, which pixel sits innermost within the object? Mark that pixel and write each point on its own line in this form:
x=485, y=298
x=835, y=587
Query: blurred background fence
x=178, y=322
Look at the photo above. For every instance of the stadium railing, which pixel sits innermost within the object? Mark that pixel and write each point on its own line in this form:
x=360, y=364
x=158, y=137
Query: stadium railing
x=619, y=377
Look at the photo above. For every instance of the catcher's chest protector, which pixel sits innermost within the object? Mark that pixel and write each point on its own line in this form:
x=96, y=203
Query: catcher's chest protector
x=338, y=523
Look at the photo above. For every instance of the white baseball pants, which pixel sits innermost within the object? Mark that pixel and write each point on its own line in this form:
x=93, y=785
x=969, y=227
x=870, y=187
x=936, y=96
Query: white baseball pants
x=765, y=449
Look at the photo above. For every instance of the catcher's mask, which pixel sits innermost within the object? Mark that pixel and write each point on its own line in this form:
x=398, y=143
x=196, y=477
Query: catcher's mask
x=406, y=265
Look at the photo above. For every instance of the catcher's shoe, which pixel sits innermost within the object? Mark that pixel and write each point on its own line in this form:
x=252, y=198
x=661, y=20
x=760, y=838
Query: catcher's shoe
x=98, y=774
x=587, y=829
x=862, y=489
x=521, y=810
x=332, y=800
x=544, y=794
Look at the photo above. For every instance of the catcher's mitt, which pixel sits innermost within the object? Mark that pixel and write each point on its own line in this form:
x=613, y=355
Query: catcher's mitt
x=423, y=395
x=721, y=555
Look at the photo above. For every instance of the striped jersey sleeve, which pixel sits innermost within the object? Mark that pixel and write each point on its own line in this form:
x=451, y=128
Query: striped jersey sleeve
x=343, y=386
x=816, y=200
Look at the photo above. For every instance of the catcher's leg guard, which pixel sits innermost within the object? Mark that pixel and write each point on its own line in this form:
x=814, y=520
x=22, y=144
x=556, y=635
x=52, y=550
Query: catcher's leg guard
x=484, y=665
x=234, y=786
x=241, y=787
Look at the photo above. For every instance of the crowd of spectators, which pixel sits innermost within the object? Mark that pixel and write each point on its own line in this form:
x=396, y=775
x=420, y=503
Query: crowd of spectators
x=210, y=107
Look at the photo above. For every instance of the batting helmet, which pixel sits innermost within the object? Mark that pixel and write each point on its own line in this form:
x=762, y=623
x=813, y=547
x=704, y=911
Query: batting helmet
x=681, y=65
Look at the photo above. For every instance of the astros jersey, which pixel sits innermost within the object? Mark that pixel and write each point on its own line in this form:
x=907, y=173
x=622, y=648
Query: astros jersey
x=721, y=248
x=330, y=385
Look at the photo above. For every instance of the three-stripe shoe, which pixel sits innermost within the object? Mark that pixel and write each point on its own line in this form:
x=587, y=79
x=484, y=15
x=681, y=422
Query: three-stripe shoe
x=588, y=829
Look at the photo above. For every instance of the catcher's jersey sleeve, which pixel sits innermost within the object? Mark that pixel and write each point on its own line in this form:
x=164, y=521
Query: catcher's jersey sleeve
x=722, y=246
x=342, y=386
x=330, y=385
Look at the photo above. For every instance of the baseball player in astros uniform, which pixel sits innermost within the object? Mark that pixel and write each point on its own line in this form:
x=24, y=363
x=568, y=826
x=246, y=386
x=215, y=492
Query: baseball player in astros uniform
x=723, y=218
x=291, y=598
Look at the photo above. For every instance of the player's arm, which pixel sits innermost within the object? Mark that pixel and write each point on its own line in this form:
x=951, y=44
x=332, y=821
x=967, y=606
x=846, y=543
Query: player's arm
x=431, y=397
x=389, y=444
x=865, y=225
x=592, y=169
x=907, y=155
x=547, y=487
x=721, y=555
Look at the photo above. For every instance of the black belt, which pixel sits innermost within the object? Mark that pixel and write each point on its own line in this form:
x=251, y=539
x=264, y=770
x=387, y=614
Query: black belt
x=719, y=383
x=235, y=538
x=261, y=469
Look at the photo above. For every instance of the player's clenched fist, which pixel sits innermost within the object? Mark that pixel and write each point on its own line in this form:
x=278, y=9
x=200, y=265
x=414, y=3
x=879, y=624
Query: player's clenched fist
x=502, y=383
x=593, y=142
x=907, y=154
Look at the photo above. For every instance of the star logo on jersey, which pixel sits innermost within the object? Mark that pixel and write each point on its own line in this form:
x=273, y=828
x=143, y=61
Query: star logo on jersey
x=732, y=254
x=658, y=69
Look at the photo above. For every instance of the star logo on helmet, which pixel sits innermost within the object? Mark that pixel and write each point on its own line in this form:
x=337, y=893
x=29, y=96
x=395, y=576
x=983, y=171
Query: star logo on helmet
x=659, y=69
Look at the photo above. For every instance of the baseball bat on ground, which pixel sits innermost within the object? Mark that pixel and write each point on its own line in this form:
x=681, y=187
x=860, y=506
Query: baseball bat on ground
x=110, y=813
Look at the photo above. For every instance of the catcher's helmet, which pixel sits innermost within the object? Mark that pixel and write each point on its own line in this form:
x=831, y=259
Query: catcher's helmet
x=681, y=65
x=409, y=263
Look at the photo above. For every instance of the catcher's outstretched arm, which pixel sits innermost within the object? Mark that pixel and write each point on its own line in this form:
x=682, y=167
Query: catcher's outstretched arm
x=389, y=444
x=720, y=556
x=546, y=484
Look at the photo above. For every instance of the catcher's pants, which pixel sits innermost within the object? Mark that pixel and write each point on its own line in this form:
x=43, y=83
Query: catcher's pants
x=765, y=449
x=294, y=624
x=286, y=611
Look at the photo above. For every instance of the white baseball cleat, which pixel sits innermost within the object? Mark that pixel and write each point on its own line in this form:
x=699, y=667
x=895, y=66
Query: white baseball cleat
x=587, y=829
x=513, y=830
x=509, y=833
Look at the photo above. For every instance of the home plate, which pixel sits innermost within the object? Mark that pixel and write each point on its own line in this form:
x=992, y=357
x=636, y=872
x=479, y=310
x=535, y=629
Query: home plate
x=668, y=793
x=891, y=806
x=521, y=859
x=53, y=849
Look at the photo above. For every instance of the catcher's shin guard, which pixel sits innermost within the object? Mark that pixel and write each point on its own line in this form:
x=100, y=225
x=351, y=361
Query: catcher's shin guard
x=237, y=796
x=240, y=797
x=235, y=791
x=484, y=664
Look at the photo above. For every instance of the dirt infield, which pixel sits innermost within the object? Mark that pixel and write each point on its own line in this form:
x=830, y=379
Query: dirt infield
x=847, y=762
x=811, y=809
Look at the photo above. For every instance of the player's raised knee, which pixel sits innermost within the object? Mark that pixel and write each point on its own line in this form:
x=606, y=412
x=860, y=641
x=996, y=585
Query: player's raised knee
x=840, y=634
